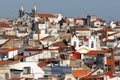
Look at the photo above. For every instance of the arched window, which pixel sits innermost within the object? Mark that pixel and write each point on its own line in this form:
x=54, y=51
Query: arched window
x=74, y=43
x=92, y=44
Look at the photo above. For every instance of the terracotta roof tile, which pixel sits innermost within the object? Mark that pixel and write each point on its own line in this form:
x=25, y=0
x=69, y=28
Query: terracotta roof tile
x=93, y=52
x=44, y=63
x=5, y=26
x=90, y=77
x=20, y=57
x=80, y=73
x=32, y=49
x=15, y=79
x=110, y=74
x=7, y=62
x=29, y=79
x=98, y=19
x=58, y=44
x=7, y=50
x=108, y=60
x=2, y=24
x=75, y=55
x=79, y=18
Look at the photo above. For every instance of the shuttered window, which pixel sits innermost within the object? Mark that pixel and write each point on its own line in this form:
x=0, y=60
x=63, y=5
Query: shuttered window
x=27, y=70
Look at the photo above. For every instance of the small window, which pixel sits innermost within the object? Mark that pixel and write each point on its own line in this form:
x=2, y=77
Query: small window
x=27, y=70
x=92, y=44
x=80, y=64
x=75, y=43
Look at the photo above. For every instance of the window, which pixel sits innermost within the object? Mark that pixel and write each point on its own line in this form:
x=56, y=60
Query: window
x=74, y=43
x=92, y=44
x=27, y=70
x=80, y=64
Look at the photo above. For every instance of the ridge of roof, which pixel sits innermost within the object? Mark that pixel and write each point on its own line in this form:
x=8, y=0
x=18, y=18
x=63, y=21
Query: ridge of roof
x=7, y=50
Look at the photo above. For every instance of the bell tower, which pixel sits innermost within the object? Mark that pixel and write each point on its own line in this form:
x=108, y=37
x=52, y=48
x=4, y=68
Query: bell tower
x=21, y=12
x=34, y=11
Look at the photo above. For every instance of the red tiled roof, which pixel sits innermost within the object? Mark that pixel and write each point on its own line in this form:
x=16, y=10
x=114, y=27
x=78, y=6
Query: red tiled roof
x=58, y=44
x=80, y=73
x=20, y=57
x=98, y=19
x=32, y=49
x=75, y=55
x=80, y=18
x=90, y=77
x=110, y=74
x=2, y=24
x=40, y=22
x=5, y=26
x=108, y=60
x=15, y=79
x=7, y=62
x=7, y=50
x=93, y=52
x=46, y=15
x=29, y=79
x=44, y=63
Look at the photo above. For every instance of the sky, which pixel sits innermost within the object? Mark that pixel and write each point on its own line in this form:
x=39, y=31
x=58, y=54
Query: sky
x=105, y=9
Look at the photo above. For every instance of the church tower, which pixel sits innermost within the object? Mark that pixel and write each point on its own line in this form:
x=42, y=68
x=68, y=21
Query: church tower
x=94, y=41
x=34, y=11
x=75, y=41
x=21, y=12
